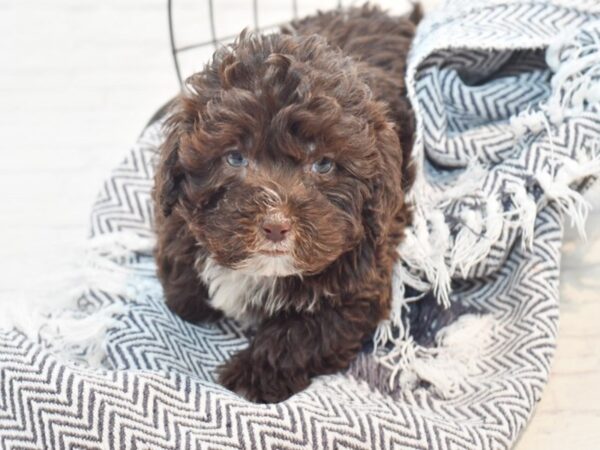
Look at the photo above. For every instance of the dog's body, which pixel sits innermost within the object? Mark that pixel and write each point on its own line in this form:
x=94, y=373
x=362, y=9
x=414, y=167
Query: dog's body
x=280, y=194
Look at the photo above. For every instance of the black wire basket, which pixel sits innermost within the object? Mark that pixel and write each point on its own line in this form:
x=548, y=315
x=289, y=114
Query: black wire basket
x=220, y=21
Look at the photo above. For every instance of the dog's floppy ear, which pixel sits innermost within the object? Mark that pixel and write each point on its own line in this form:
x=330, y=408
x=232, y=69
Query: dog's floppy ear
x=169, y=173
x=387, y=204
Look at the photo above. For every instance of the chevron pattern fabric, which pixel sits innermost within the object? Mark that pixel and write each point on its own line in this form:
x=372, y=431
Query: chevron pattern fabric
x=508, y=107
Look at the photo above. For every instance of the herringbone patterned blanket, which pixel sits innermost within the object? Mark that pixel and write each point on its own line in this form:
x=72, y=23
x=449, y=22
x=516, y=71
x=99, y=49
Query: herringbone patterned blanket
x=507, y=97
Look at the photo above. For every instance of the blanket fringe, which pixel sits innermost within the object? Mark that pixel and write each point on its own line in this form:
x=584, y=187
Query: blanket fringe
x=448, y=365
x=52, y=312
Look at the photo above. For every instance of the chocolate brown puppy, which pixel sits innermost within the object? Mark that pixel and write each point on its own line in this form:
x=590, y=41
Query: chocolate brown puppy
x=280, y=193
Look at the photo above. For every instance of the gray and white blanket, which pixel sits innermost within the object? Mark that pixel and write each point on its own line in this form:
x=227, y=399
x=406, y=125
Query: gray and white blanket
x=507, y=97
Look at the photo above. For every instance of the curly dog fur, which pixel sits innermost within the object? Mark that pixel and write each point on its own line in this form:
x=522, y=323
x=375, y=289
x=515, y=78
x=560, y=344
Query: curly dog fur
x=280, y=193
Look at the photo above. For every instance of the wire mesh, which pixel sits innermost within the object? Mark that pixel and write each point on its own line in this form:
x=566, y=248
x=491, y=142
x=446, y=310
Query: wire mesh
x=237, y=15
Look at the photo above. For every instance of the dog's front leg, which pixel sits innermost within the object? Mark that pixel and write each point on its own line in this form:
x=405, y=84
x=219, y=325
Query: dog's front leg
x=290, y=348
x=185, y=294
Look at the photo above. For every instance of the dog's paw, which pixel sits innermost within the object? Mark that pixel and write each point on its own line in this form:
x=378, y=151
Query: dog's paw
x=194, y=311
x=257, y=382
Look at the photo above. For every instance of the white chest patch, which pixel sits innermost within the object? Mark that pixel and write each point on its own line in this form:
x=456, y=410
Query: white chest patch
x=236, y=292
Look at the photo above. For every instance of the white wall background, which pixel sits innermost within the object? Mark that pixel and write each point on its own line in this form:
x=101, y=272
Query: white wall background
x=78, y=81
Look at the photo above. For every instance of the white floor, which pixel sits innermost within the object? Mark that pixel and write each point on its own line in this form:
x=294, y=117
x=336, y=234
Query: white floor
x=78, y=81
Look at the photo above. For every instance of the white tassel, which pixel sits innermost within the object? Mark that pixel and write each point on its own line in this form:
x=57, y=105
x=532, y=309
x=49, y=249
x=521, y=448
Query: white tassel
x=459, y=347
x=439, y=273
x=400, y=305
x=576, y=67
x=448, y=365
x=426, y=247
x=82, y=336
x=467, y=250
x=525, y=211
x=527, y=121
x=49, y=310
x=571, y=202
x=476, y=237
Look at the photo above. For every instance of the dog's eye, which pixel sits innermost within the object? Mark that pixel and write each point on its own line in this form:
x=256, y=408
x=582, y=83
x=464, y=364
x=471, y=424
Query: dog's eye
x=236, y=159
x=324, y=165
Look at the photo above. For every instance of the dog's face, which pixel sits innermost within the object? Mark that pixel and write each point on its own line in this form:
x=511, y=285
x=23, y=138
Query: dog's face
x=278, y=159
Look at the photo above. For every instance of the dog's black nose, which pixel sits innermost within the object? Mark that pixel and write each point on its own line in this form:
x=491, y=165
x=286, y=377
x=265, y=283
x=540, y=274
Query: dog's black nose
x=276, y=231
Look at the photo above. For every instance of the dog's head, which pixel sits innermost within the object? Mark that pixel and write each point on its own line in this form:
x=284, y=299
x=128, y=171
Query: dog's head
x=278, y=158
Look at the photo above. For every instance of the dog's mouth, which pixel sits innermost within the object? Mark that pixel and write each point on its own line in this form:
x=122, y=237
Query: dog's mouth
x=274, y=249
x=274, y=252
